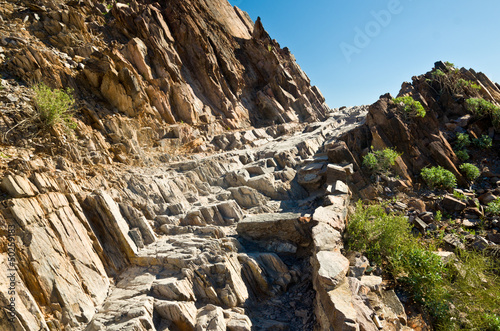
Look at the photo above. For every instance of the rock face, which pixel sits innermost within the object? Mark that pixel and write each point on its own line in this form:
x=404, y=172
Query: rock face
x=423, y=142
x=143, y=66
x=167, y=247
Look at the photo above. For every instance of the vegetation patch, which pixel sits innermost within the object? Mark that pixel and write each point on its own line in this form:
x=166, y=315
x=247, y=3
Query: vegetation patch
x=410, y=106
x=438, y=177
x=470, y=171
x=484, y=142
x=459, y=195
x=460, y=295
x=381, y=161
x=463, y=155
x=463, y=141
x=54, y=106
x=482, y=108
x=449, y=80
x=494, y=207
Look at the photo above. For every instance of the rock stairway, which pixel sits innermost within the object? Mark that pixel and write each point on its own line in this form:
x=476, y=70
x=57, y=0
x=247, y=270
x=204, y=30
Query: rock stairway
x=244, y=239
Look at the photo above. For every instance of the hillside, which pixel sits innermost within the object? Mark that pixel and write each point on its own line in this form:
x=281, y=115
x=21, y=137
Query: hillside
x=199, y=182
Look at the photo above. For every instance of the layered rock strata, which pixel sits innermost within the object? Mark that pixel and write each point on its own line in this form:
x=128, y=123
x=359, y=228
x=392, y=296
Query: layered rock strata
x=140, y=67
x=231, y=241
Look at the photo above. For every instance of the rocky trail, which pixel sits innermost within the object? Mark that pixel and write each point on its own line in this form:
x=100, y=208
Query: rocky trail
x=244, y=239
x=202, y=183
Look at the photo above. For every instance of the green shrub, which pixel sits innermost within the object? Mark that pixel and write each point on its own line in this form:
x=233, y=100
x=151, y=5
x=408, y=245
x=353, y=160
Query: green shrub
x=373, y=231
x=463, y=155
x=492, y=322
x=381, y=161
x=450, y=80
x=438, y=177
x=467, y=85
x=484, y=142
x=459, y=195
x=438, y=73
x=470, y=171
x=463, y=140
x=386, y=238
x=439, y=216
x=449, y=65
x=410, y=106
x=54, y=106
x=465, y=290
x=480, y=107
x=494, y=207
x=495, y=118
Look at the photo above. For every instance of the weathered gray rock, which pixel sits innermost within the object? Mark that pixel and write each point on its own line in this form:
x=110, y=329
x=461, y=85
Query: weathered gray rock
x=237, y=322
x=419, y=224
x=237, y=178
x=331, y=215
x=487, y=197
x=182, y=314
x=332, y=268
x=453, y=242
x=358, y=265
x=248, y=197
x=110, y=215
x=210, y=318
x=18, y=186
x=285, y=226
x=174, y=288
x=372, y=282
x=326, y=238
x=335, y=173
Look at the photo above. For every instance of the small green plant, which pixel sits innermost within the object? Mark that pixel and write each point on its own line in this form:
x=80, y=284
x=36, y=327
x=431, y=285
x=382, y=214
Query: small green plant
x=410, y=106
x=470, y=171
x=463, y=140
x=381, y=161
x=54, y=106
x=109, y=6
x=269, y=48
x=484, y=142
x=463, y=155
x=492, y=322
x=438, y=177
x=466, y=85
x=439, y=216
x=459, y=195
x=494, y=207
x=480, y=107
x=449, y=65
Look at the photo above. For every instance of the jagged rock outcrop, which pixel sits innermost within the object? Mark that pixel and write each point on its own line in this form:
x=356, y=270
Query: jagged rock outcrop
x=142, y=66
x=425, y=141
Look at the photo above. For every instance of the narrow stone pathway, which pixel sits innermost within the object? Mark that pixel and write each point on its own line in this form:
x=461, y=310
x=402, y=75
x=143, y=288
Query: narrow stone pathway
x=231, y=241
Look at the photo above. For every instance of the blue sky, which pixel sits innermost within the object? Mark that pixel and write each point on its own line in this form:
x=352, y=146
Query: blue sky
x=355, y=51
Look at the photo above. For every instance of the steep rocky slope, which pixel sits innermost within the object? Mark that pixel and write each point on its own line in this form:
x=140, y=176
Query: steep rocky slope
x=140, y=67
x=229, y=241
x=427, y=141
x=112, y=226
x=206, y=184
